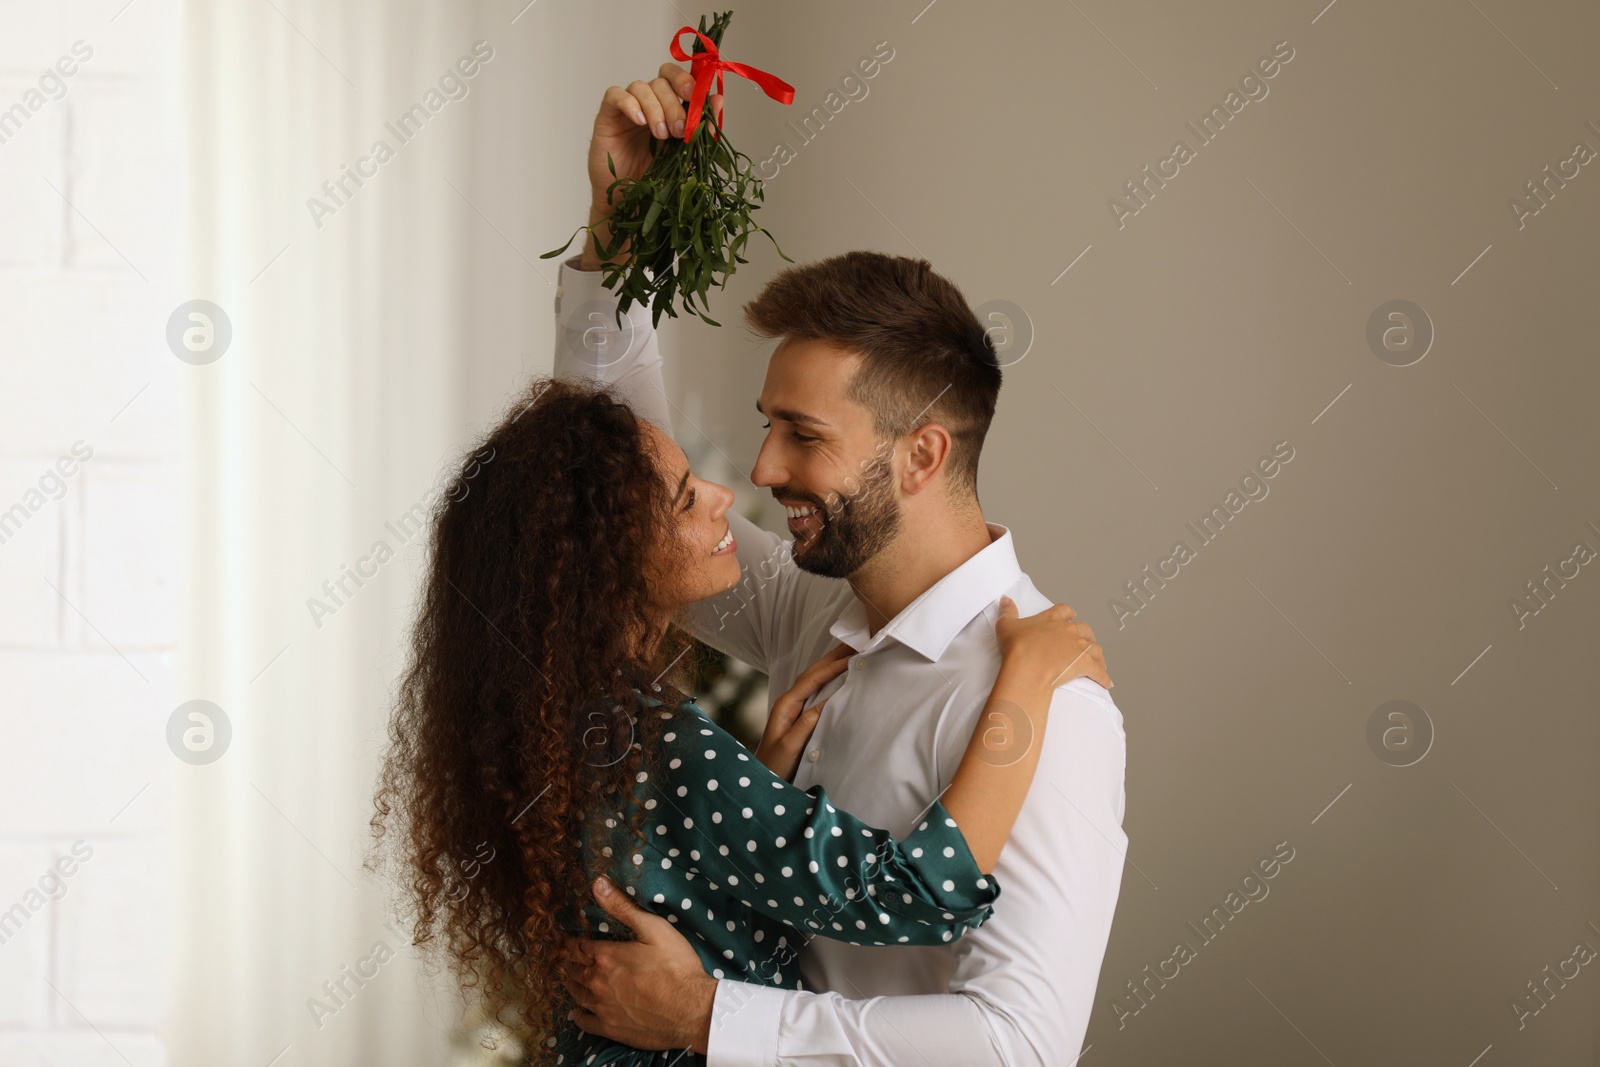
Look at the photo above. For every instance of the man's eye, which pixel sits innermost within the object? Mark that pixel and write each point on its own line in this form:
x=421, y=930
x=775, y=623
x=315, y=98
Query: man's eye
x=766, y=425
x=803, y=439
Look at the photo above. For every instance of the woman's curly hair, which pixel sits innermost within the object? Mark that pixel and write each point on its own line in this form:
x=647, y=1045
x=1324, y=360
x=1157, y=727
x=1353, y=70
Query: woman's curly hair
x=516, y=715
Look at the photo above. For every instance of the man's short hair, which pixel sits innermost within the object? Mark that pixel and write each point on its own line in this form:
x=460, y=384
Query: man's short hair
x=924, y=355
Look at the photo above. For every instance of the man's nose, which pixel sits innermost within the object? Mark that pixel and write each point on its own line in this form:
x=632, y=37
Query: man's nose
x=768, y=472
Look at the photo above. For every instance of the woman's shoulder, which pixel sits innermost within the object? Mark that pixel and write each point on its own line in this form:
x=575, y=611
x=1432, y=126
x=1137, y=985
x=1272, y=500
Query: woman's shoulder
x=671, y=708
x=689, y=742
x=686, y=723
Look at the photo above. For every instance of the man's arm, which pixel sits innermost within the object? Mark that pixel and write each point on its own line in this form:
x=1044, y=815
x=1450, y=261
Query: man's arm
x=589, y=342
x=1025, y=981
x=590, y=345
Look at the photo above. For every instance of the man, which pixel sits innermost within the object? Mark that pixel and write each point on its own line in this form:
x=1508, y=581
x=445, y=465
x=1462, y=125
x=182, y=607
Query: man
x=878, y=397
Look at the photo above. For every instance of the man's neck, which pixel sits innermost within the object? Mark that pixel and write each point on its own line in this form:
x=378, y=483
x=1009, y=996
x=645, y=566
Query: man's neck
x=915, y=562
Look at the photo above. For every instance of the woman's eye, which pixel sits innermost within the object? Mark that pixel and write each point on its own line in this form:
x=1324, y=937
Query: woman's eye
x=688, y=504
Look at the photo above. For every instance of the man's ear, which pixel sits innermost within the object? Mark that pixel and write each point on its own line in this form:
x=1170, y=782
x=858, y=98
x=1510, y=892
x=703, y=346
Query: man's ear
x=927, y=455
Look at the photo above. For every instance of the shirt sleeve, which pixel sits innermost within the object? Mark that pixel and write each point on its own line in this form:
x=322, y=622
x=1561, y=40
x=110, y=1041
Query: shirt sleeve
x=590, y=345
x=1024, y=982
x=754, y=620
x=790, y=854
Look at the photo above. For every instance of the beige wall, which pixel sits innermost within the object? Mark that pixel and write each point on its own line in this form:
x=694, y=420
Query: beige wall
x=1222, y=319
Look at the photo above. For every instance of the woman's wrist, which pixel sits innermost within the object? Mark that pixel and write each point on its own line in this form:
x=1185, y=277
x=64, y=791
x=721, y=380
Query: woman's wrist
x=599, y=231
x=1021, y=681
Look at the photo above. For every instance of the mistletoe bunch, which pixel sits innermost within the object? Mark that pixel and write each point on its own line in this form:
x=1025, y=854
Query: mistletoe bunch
x=685, y=221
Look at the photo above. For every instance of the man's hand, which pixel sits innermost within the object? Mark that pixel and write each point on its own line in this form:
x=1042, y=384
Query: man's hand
x=651, y=993
x=628, y=120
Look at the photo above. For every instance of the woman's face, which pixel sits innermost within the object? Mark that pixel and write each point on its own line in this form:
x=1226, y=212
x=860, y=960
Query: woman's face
x=698, y=557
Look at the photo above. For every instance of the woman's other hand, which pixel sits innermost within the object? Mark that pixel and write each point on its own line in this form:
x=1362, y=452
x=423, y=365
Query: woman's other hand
x=1052, y=647
x=790, y=724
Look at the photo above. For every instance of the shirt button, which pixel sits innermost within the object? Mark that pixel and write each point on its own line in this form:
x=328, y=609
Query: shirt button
x=860, y=663
x=813, y=754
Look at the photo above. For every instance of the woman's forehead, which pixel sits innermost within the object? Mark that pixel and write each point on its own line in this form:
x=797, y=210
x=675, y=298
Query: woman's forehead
x=669, y=456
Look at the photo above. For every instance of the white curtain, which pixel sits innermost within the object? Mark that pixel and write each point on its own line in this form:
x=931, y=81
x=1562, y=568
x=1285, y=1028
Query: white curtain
x=373, y=335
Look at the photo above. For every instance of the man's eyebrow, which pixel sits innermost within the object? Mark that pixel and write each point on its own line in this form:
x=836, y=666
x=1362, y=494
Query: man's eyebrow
x=789, y=415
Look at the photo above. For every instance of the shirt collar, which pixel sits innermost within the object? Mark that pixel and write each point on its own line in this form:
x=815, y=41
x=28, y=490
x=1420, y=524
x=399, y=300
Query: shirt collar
x=929, y=623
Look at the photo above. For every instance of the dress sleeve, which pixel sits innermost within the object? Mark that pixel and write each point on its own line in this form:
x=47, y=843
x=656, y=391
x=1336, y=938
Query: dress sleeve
x=791, y=854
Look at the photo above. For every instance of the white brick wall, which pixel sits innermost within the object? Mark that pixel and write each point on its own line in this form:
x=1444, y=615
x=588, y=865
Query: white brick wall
x=89, y=566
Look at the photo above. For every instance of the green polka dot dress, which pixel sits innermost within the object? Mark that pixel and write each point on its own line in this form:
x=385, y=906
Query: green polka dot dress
x=749, y=867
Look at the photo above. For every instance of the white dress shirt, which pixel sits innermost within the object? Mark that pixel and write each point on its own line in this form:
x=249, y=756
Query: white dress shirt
x=1017, y=991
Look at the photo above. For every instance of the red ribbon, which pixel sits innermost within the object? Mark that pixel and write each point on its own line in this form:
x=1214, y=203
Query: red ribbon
x=709, y=65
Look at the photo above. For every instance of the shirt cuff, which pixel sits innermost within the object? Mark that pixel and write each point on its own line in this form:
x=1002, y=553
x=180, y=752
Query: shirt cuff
x=575, y=283
x=744, y=1025
x=586, y=289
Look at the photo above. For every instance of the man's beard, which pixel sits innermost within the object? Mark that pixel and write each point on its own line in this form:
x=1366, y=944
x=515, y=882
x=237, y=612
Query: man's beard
x=857, y=530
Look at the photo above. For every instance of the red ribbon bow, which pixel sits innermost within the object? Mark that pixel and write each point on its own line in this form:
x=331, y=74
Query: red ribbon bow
x=708, y=65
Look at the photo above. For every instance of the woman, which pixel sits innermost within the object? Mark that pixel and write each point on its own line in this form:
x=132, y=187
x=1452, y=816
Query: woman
x=538, y=739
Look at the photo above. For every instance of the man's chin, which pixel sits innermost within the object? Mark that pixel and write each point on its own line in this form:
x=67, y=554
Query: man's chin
x=822, y=568
x=804, y=549
x=815, y=555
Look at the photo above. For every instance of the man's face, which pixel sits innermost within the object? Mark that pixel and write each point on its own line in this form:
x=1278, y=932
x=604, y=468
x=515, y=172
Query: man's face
x=823, y=460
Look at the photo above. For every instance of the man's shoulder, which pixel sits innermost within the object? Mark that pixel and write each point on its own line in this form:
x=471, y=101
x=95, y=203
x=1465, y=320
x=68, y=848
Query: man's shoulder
x=1030, y=601
x=1083, y=691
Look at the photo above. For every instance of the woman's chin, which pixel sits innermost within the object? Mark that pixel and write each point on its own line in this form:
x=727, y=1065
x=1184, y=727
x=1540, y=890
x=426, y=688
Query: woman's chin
x=727, y=572
x=722, y=575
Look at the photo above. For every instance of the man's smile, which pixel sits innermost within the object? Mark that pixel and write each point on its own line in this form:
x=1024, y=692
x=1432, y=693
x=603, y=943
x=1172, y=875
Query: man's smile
x=805, y=520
